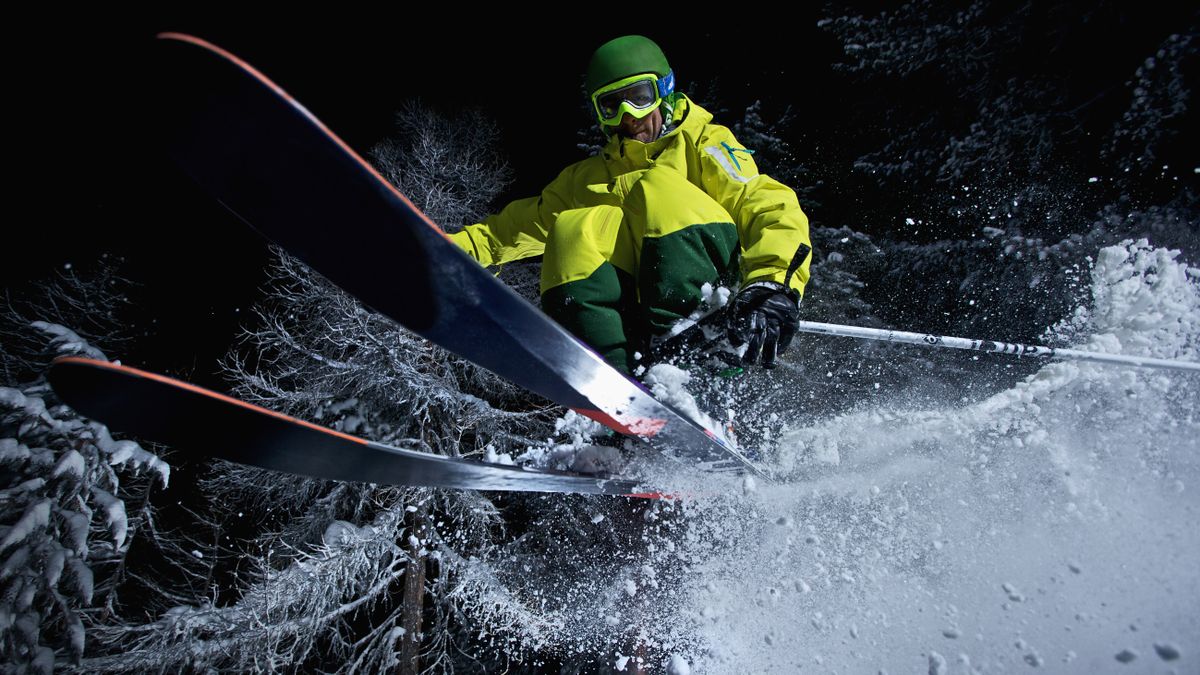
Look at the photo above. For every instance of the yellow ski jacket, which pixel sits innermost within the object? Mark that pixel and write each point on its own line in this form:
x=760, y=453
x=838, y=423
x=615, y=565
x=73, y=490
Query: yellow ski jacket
x=772, y=229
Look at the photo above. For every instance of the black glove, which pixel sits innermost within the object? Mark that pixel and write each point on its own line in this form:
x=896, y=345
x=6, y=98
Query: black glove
x=763, y=314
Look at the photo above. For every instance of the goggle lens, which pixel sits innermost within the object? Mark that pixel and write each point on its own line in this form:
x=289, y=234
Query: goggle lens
x=640, y=95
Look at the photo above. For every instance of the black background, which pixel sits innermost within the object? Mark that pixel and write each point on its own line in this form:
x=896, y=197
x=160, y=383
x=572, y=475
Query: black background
x=94, y=181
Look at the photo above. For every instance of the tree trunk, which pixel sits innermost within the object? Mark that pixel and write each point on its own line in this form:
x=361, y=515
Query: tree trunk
x=414, y=593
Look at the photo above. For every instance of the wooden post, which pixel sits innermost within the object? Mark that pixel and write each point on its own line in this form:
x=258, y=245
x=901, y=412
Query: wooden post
x=414, y=592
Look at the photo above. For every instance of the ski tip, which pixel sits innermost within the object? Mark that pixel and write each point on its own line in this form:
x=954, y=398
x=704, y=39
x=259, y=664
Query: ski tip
x=95, y=388
x=69, y=365
x=199, y=42
x=63, y=364
x=72, y=378
x=243, y=65
x=172, y=35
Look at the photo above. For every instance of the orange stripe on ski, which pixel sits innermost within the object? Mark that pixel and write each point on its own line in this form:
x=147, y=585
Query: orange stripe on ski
x=180, y=384
x=645, y=427
x=651, y=495
x=183, y=37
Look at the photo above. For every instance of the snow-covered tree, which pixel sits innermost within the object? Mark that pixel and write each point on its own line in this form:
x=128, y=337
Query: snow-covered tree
x=1008, y=114
x=72, y=499
x=1152, y=132
x=449, y=166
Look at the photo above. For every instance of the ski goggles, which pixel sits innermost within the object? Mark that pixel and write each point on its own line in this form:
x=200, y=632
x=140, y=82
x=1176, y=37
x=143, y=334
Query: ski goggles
x=637, y=95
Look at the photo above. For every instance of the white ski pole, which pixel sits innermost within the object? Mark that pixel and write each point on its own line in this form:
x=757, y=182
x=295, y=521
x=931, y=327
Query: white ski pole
x=929, y=340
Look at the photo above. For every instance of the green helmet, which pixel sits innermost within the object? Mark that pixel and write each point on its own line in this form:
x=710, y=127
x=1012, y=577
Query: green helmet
x=622, y=57
x=630, y=75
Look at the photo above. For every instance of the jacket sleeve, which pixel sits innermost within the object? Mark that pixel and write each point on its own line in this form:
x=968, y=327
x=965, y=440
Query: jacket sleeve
x=519, y=230
x=772, y=228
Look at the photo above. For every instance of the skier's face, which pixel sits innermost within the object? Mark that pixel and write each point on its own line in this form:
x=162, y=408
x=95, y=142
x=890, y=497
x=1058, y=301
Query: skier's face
x=645, y=129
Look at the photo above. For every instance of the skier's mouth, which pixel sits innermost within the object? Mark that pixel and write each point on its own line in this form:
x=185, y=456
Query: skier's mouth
x=638, y=132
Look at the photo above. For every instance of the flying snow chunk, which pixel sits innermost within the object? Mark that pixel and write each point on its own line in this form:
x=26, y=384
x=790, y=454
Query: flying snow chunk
x=909, y=221
x=1165, y=651
x=749, y=485
x=1093, y=179
x=597, y=518
x=937, y=664
x=1126, y=655
x=492, y=457
x=678, y=666
x=668, y=384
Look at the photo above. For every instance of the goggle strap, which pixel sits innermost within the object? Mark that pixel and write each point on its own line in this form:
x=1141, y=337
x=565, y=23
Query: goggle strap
x=666, y=84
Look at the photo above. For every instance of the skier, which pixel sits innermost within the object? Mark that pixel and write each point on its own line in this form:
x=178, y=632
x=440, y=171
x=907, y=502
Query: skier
x=672, y=202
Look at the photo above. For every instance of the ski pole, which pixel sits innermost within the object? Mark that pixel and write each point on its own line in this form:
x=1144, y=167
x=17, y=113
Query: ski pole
x=930, y=340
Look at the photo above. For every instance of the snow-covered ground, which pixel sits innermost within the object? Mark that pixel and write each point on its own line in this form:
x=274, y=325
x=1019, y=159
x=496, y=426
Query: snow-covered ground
x=1052, y=524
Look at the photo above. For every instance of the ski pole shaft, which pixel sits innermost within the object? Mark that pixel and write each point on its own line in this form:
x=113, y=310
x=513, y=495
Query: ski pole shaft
x=929, y=340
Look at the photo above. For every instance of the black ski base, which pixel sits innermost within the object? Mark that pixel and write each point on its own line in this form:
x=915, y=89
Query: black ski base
x=164, y=410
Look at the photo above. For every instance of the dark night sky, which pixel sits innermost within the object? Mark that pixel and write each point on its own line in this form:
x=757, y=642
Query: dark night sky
x=95, y=181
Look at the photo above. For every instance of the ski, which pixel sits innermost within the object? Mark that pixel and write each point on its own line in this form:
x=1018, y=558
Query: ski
x=272, y=163
x=169, y=411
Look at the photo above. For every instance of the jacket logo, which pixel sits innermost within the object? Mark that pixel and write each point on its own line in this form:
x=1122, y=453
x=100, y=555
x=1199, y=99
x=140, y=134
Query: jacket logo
x=730, y=149
x=728, y=161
